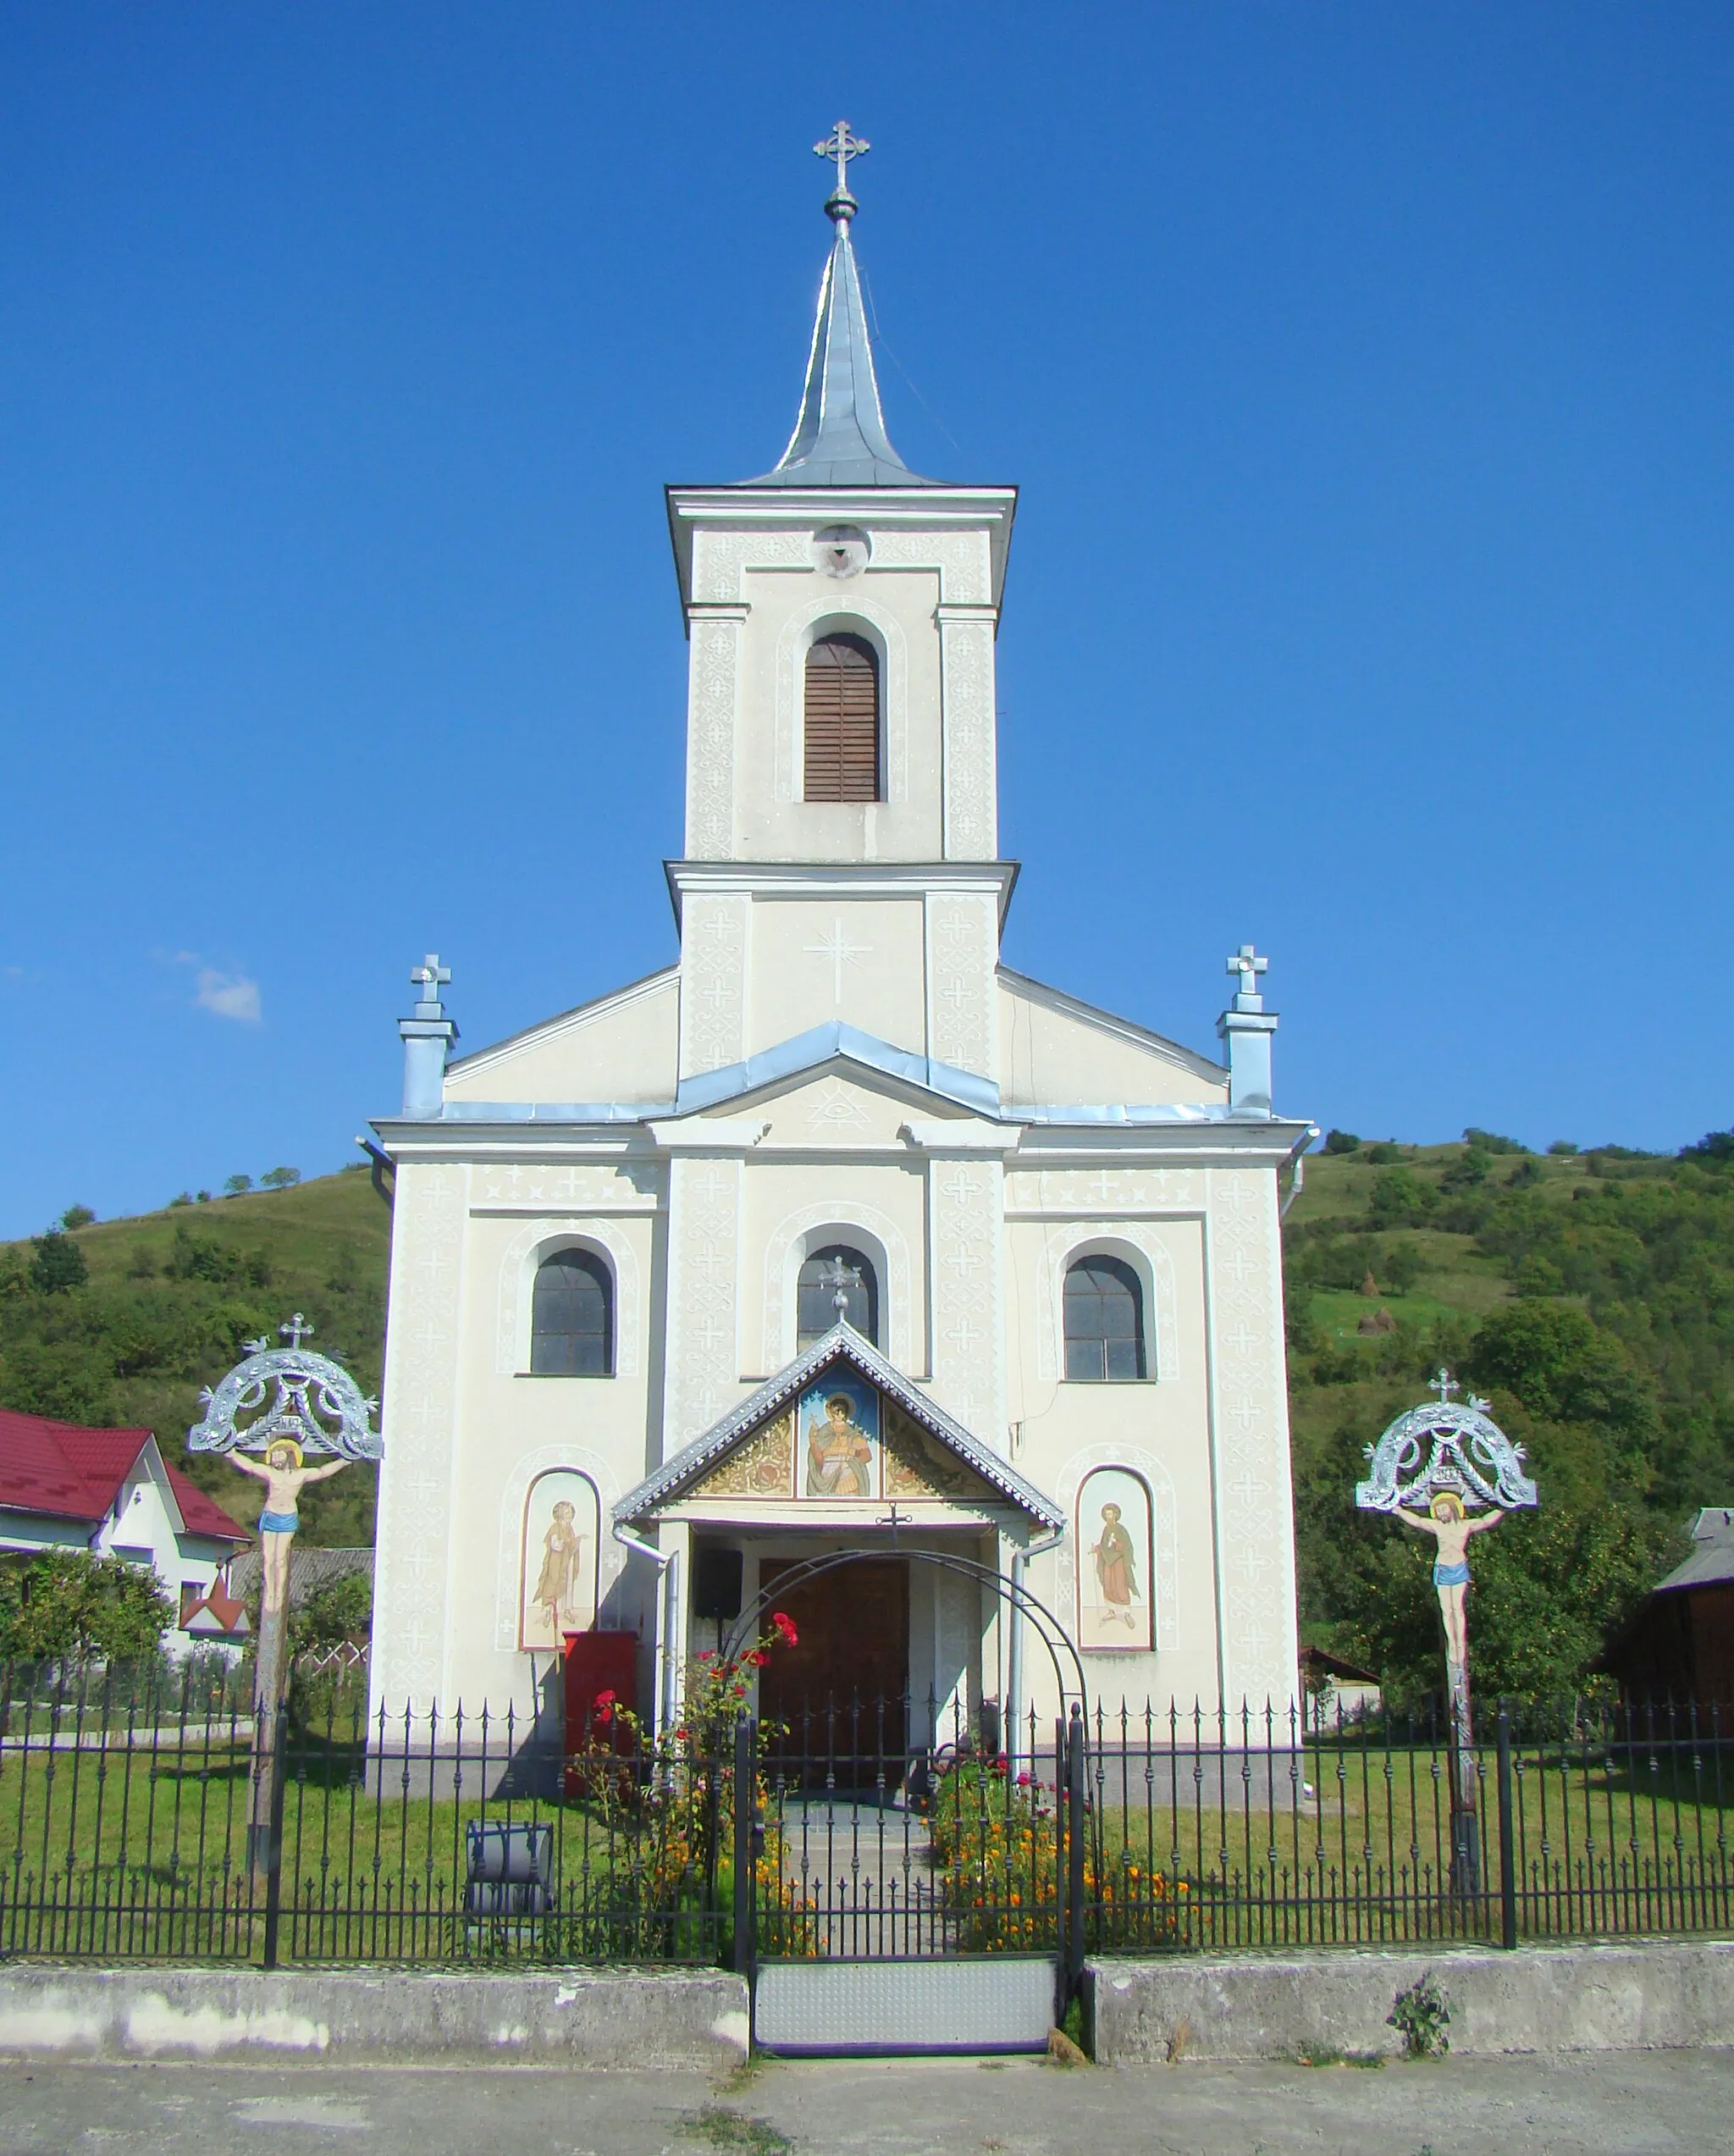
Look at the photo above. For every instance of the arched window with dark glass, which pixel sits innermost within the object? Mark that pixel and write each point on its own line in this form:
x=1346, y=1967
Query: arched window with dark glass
x=816, y=1296
x=571, y=1326
x=1104, y=1303
x=841, y=754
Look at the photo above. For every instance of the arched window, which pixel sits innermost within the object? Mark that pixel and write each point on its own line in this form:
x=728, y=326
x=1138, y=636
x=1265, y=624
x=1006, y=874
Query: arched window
x=571, y=1326
x=840, y=758
x=816, y=1298
x=1104, y=1320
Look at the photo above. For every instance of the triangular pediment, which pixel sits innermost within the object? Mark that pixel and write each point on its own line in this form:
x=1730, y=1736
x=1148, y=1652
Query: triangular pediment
x=838, y=1428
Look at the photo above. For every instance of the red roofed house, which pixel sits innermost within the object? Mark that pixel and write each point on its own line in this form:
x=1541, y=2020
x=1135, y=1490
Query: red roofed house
x=111, y=1492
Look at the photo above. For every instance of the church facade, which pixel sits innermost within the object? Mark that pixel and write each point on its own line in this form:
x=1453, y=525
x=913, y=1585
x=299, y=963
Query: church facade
x=837, y=1233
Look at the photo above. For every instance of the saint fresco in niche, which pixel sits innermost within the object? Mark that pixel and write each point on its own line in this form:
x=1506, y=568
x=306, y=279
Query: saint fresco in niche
x=1114, y=1580
x=558, y=1591
x=838, y=1422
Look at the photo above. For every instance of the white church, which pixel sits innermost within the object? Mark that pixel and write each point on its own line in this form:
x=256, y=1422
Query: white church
x=837, y=1234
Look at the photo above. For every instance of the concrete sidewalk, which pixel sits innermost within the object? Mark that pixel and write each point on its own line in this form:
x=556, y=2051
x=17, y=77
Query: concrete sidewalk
x=1627, y=2105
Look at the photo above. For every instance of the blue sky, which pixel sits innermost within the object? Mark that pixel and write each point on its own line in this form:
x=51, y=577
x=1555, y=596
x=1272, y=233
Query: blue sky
x=1367, y=372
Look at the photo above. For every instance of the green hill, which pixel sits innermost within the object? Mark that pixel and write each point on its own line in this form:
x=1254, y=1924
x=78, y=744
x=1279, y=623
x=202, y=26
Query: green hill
x=1591, y=1296
x=167, y=1300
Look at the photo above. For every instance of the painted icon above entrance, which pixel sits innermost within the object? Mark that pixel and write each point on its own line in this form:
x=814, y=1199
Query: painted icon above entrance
x=838, y=1419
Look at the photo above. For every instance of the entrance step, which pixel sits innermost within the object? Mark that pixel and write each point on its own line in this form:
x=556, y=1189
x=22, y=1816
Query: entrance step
x=832, y=2009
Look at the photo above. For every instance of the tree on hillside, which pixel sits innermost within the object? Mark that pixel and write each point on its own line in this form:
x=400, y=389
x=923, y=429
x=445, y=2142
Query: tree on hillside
x=68, y=1605
x=235, y=1184
x=58, y=1263
x=280, y=1179
x=77, y=1216
x=62, y=1380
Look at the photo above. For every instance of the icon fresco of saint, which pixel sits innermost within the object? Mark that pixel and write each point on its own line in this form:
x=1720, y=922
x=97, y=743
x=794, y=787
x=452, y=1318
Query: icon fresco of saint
x=839, y=1422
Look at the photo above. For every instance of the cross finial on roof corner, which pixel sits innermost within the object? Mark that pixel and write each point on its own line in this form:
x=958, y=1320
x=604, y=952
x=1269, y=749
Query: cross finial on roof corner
x=841, y=145
x=1246, y=963
x=430, y=977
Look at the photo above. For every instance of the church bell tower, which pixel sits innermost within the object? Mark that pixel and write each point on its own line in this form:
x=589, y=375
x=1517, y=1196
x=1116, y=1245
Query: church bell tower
x=842, y=861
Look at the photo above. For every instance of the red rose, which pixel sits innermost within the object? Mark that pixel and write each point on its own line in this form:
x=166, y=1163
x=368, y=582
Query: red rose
x=604, y=1705
x=785, y=1626
x=759, y=1657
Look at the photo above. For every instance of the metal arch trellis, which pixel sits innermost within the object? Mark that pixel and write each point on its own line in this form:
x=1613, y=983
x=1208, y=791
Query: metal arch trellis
x=1047, y=1625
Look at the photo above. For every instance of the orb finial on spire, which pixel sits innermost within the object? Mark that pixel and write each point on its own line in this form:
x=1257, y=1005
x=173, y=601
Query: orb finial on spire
x=841, y=145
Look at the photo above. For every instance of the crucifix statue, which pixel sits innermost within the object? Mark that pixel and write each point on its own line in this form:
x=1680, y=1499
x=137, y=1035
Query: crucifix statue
x=1459, y=1465
x=281, y=1403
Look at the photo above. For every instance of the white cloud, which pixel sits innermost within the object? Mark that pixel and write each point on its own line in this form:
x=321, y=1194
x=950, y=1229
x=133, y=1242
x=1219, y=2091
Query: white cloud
x=228, y=995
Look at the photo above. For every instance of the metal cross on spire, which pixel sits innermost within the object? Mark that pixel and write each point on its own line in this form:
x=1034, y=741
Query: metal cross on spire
x=1444, y=1385
x=841, y=145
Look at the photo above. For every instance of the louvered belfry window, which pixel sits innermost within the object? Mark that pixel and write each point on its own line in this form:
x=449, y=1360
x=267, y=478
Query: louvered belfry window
x=842, y=754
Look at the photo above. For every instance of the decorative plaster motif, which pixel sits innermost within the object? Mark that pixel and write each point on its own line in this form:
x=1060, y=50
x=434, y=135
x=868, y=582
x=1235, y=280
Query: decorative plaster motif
x=538, y=1239
x=763, y=1467
x=793, y=641
x=971, y=786
x=713, y=980
x=962, y=559
x=963, y=1198
x=1104, y=1190
x=1166, y=1536
x=835, y=1108
x=603, y=1188
x=703, y=1355
x=1162, y=1320
x=420, y=1431
x=1254, y=1546
x=719, y=558
x=962, y=949
x=514, y=1489
x=710, y=740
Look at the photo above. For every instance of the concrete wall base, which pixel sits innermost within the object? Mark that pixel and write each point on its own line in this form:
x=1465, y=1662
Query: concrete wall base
x=570, y=2018
x=1664, y=1995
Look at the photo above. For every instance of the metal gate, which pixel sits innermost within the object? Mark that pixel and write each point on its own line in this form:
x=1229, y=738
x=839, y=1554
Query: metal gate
x=928, y=1897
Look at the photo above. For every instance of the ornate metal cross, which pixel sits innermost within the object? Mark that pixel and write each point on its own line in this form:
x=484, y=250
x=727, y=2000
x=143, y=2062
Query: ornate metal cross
x=1444, y=1385
x=430, y=977
x=296, y=1330
x=841, y=1278
x=841, y=145
x=1248, y=965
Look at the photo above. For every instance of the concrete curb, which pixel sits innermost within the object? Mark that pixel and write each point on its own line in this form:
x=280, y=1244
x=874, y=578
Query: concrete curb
x=580, y=2017
x=1668, y=1995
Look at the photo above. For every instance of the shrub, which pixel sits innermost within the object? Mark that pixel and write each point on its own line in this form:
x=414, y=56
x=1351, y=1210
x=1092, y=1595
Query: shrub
x=77, y=1216
x=1467, y=1171
x=1341, y=1142
x=1400, y=1199
x=58, y=1263
x=1563, y=1146
x=67, y=1605
x=1491, y=1141
x=1383, y=1154
x=1419, y=2016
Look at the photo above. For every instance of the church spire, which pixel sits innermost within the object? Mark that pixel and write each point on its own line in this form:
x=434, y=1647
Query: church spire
x=840, y=439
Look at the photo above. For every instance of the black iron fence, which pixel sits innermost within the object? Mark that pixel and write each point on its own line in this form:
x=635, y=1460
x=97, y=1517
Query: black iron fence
x=896, y=1829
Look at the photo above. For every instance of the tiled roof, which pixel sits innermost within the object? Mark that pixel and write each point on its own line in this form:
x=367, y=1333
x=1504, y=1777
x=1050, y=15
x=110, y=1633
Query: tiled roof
x=68, y=1472
x=312, y=1569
